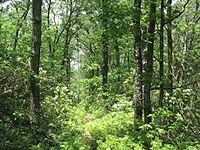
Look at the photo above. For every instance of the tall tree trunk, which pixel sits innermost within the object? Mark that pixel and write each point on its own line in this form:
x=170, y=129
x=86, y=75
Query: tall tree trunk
x=161, y=94
x=91, y=72
x=68, y=68
x=66, y=63
x=79, y=73
x=51, y=51
x=105, y=46
x=149, y=65
x=117, y=50
x=138, y=59
x=116, y=45
x=35, y=59
x=170, y=46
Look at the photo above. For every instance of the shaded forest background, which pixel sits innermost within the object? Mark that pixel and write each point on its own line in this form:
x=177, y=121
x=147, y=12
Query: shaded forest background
x=109, y=74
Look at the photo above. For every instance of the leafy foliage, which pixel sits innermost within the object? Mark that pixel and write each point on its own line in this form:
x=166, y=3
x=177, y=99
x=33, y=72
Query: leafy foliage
x=74, y=113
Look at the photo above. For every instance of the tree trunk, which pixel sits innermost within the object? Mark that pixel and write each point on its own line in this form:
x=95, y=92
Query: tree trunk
x=105, y=47
x=66, y=63
x=161, y=94
x=35, y=59
x=51, y=50
x=138, y=59
x=117, y=60
x=68, y=68
x=170, y=46
x=149, y=65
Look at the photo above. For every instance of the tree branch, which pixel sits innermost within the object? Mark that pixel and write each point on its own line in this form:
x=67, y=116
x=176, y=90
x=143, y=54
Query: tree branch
x=180, y=13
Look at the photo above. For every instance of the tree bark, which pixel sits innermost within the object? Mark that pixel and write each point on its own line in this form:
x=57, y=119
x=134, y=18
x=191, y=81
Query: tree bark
x=105, y=47
x=49, y=38
x=138, y=59
x=117, y=50
x=35, y=59
x=66, y=63
x=117, y=60
x=161, y=94
x=170, y=46
x=149, y=65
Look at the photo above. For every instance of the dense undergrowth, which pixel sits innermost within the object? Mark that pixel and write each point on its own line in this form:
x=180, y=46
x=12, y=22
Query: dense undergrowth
x=71, y=126
x=74, y=113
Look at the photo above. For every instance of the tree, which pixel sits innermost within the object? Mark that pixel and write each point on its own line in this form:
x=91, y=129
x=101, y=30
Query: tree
x=105, y=45
x=170, y=46
x=149, y=63
x=49, y=2
x=72, y=25
x=117, y=51
x=161, y=61
x=81, y=37
x=66, y=62
x=138, y=59
x=35, y=59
